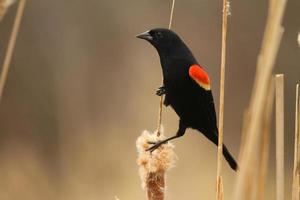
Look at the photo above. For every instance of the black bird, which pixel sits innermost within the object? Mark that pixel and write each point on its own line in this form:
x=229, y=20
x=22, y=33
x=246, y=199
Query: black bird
x=186, y=87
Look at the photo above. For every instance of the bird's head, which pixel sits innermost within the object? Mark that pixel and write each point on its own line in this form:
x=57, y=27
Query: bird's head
x=160, y=38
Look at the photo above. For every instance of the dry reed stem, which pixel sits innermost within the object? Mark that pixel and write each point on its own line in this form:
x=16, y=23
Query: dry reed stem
x=296, y=175
x=159, y=119
x=279, y=83
x=153, y=166
x=270, y=45
x=265, y=144
x=4, y=5
x=171, y=14
x=11, y=45
x=160, y=107
x=219, y=194
x=245, y=126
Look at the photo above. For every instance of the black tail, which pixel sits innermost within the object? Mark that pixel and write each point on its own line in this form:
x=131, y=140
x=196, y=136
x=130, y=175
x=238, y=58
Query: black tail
x=227, y=155
x=229, y=158
x=214, y=138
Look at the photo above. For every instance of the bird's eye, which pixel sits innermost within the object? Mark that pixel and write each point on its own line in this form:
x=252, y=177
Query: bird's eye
x=159, y=34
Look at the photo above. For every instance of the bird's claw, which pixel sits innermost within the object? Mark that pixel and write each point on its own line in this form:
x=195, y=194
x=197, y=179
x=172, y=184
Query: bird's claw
x=161, y=91
x=151, y=142
x=155, y=145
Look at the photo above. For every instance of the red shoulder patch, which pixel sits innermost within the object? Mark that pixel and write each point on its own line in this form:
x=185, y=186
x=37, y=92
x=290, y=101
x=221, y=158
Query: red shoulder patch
x=200, y=76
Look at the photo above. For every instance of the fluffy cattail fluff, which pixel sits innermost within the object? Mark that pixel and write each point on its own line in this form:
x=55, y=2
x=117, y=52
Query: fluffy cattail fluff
x=153, y=166
x=4, y=5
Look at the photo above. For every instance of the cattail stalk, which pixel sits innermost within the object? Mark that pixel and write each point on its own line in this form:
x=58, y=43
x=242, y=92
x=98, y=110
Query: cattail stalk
x=265, y=144
x=220, y=195
x=279, y=83
x=296, y=173
x=11, y=46
x=253, y=134
x=160, y=107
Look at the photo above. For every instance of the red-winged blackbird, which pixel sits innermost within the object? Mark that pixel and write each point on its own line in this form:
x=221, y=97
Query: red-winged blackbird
x=186, y=87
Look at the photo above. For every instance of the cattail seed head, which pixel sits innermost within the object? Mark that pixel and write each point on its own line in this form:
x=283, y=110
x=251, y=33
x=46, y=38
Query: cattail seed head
x=153, y=166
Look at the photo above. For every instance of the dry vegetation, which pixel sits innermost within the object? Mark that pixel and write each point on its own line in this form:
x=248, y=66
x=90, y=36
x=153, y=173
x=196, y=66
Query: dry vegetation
x=296, y=171
x=254, y=150
x=4, y=4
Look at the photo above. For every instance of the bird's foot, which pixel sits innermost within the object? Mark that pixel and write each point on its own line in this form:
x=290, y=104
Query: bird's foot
x=155, y=145
x=161, y=91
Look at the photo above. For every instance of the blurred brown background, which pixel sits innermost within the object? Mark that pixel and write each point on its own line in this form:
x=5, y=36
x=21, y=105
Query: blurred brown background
x=81, y=89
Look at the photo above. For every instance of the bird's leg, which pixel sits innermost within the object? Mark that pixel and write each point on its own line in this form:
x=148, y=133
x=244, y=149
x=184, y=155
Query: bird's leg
x=180, y=132
x=161, y=91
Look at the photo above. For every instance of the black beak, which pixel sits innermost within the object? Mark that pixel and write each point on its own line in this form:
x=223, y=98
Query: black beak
x=145, y=36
